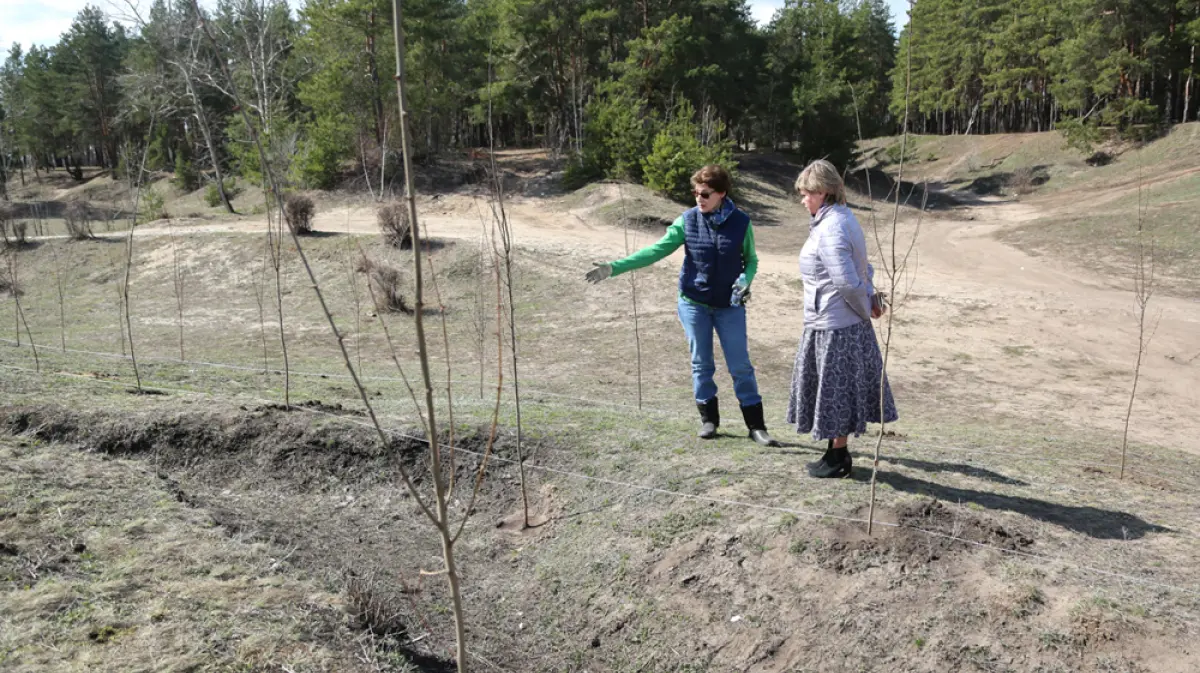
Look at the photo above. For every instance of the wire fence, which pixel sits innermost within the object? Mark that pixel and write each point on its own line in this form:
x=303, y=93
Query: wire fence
x=644, y=410
x=1108, y=572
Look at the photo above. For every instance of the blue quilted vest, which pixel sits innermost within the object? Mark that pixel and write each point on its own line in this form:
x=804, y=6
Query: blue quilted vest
x=712, y=258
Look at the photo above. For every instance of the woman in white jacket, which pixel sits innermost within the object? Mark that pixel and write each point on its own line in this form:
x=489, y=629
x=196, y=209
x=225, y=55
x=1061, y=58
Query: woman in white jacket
x=836, y=378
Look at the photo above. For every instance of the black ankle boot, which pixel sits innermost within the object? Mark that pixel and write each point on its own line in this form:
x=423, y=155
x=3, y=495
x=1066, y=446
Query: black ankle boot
x=753, y=416
x=710, y=418
x=835, y=464
x=823, y=460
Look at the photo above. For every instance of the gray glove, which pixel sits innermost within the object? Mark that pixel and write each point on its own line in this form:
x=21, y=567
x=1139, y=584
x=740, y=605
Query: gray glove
x=603, y=270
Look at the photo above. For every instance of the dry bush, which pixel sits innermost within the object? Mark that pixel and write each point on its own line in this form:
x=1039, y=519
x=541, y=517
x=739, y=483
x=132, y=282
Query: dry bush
x=12, y=231
x=394, y=225
x=373, y=607
x=78, y=218
x=386, y=283
x=299, y=210
x=1022, y=181
x=7, y=286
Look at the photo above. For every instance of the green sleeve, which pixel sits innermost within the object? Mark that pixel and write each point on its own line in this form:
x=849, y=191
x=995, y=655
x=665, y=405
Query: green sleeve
x=749, y=255
x=650, y=254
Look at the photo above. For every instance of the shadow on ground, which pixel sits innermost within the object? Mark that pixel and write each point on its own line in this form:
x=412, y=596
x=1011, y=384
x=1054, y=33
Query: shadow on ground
x=1094, y=522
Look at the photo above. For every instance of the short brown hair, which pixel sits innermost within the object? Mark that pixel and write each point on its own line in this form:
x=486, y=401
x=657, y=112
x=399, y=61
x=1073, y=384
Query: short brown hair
x=715, y=177
x=821, y=176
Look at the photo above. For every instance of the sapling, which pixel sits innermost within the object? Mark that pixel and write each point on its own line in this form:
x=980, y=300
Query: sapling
x=1143, y=292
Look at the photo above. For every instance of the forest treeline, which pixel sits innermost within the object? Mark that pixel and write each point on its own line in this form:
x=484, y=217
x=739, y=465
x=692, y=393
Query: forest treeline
x=643, y=90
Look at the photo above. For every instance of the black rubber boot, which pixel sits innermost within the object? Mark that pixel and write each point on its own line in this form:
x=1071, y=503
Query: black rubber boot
x=753, y=415
x=710, y=418
x=835, y=464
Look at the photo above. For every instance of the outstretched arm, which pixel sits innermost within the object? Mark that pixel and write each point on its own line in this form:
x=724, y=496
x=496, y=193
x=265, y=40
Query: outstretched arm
x=648, y=255
x=652, y=253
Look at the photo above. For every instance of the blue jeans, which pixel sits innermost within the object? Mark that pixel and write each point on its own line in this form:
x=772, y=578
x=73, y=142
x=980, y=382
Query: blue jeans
x=699, y=322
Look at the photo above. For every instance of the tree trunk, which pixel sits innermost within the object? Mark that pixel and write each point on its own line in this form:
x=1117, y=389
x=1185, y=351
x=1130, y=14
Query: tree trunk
x=1187, y=89
x=202, y=120
x=376, y=98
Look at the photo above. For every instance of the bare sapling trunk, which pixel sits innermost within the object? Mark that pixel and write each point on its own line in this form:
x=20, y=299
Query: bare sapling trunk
x=259, y=279
x=441, y=518
x=177, y=283
x=895, y=264
x=437, y=293
x=479, y=316
x=500, y=217
x=120, y=315
x=275, y=217
x=62, y=310
x=354, y=295
x=637, y=335
x=496, y=407
x=14, y=290
x=1143, y=291
x=138, y=181
x=437, y=511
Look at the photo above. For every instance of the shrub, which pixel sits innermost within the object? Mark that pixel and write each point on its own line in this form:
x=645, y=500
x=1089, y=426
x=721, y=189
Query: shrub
x=212, y=195
x=375, y=608
x=15, y=232
x=394, y=225
x=677, y=153
x=6, y=284
x=326, y=145
x=186, y=176
x=299, y=210
x=1022, y=181
x=618, y=134
x=153, y=206
x=386, y=284
x=78, y=218
x=12, y=230
x=1081, y=134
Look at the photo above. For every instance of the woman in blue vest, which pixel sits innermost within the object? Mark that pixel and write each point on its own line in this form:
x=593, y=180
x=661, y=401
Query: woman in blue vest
x=718, y=266
x=836, y=379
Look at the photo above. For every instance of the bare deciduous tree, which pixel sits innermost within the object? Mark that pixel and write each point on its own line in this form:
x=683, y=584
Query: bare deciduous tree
x=1143, y=292
x=504, y=228
x=895, y=268
x=14, y=290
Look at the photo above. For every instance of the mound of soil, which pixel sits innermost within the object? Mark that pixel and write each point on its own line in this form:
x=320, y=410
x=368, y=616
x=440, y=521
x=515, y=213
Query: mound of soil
x=267, y=440
x=923, y=532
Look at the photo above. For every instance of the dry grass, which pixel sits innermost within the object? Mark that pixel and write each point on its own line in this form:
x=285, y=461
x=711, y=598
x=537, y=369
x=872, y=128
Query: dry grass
x=105, y=569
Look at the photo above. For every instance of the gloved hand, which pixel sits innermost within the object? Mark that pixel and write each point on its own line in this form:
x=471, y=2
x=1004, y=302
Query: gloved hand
x=741, y=292
x=603, y=270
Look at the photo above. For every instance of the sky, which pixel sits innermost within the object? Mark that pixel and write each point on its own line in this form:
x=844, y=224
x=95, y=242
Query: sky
x=43, y=21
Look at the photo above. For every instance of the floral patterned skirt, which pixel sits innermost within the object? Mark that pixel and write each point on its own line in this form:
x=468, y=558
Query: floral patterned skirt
x=835, y=383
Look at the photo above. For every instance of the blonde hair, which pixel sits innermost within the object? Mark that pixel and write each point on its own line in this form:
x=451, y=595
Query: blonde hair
x=821, y=176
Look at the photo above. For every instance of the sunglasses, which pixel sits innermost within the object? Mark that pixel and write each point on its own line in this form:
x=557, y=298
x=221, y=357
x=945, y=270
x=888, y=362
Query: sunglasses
x=703, y=194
